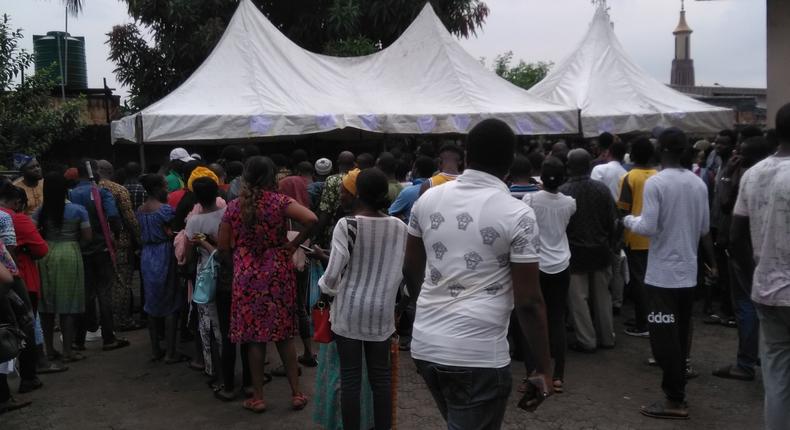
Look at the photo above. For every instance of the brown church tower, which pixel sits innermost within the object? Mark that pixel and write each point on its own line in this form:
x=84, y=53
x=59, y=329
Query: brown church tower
x=682, y=65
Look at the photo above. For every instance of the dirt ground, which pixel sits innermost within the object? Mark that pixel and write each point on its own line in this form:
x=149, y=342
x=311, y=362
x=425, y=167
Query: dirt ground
x=122, y=390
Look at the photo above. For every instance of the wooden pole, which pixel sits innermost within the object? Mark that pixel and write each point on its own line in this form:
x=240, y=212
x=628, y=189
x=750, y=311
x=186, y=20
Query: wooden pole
x=138, y=134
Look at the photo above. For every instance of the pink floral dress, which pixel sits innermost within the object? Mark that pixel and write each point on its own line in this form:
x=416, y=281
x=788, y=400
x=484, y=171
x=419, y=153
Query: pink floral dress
x=263, y=307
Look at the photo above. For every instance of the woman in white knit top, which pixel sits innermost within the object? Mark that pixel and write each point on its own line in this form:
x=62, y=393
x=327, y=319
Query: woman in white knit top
x=364, y=273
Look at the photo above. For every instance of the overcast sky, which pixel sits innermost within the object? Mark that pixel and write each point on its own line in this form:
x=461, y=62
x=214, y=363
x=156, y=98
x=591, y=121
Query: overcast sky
x=728, y=43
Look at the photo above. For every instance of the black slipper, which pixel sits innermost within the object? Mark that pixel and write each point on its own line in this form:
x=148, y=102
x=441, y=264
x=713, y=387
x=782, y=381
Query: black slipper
x=733, y=372
x=28, y=385
x=157, y=357
x=225, y=396
x=664, y=410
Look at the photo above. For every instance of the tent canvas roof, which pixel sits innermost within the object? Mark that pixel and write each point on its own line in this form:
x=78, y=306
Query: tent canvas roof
x=257, y=83
x=616, y=95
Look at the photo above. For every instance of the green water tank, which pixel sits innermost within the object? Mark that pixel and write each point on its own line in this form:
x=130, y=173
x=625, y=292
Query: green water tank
x=51, y=49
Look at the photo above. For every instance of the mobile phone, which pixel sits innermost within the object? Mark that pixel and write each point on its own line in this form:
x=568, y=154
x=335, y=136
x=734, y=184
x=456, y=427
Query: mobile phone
x=306, y=248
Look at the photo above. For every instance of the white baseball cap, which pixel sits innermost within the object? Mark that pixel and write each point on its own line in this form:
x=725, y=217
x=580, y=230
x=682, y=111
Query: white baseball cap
x=323, y=166
x=180, y=154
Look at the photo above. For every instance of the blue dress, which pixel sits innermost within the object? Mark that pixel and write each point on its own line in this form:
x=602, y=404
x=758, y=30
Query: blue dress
x=158, y=263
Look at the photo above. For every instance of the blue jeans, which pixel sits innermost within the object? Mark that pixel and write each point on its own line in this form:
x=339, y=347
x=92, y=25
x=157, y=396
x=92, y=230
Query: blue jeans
x=775, y=331
x=468, y=397
x=746, y=315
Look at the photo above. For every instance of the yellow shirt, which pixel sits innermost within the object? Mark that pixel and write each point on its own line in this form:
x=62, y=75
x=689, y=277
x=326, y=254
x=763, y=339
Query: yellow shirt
x=35, y=195
x=632, y=186
x=441, y=178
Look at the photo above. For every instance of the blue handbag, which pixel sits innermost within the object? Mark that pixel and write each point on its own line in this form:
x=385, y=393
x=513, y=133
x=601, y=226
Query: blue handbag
x=206, y=281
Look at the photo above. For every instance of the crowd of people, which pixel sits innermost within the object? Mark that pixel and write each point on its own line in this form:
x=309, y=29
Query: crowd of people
x=465, y=257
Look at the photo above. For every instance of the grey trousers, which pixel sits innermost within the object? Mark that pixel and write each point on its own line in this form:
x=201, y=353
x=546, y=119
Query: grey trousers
x=617, y=282
x=590, y=303
x=775, y=353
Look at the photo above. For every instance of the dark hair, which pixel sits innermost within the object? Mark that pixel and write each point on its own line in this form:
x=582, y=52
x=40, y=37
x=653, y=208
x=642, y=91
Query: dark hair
x=490, y=145
x=231, y=153
x=521, y=168
x=552, y=173
x=424, y=166
x=642, y=150
x=153, y=183
x=55, y=191
x=751, y=131
x=251, y=150
x=205, y=190
x=783, y=124
x=132, y=170
x=605, y=140
x=673, y=141
x=387, y=163
x=617, y=150
x=365, y=161
x=731, y=134
x=279, y=160
x=7, y=190
x=402, y=169
x=426, y=149
x=536, y=159
x=298, y=156
x=234, y=169
x=259, y=176
x=305, y=168
x=451, y=147
x=372, y=188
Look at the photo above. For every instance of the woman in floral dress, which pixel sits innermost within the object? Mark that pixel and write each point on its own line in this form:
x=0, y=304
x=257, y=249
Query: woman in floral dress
x=263, y=306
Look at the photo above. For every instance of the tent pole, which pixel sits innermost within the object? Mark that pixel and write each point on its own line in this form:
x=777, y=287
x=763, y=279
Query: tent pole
x=138, y=134
x=581, y=130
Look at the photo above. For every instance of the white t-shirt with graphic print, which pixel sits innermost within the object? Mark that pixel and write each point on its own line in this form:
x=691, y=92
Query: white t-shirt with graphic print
x=472, y=230
x=764, y=197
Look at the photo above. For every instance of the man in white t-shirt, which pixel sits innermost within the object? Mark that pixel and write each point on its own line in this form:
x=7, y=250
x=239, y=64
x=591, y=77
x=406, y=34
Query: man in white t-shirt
x=472, y=252
x=610, y=173
x=762, y=211
x=675, y=216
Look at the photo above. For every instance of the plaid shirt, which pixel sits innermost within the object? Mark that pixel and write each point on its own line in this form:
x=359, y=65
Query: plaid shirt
x=137, y=194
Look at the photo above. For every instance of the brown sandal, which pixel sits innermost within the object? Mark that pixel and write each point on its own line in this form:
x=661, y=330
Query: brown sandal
x=558, y=386
x=299, y=402
x=255, y=405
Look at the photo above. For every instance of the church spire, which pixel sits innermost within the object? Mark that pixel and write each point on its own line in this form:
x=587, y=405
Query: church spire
x=682, y=65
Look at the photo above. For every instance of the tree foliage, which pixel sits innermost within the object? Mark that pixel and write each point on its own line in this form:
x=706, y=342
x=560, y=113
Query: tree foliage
x=524, y=75
x=171, y=38
x=30, y=122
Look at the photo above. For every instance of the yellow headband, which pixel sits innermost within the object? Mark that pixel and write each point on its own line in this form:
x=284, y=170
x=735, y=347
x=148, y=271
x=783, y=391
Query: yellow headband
x=350, y=181
x=201, y=172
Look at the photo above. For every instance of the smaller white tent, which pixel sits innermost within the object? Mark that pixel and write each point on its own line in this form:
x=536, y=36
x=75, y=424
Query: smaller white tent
x=257, y=83
x=614, y=94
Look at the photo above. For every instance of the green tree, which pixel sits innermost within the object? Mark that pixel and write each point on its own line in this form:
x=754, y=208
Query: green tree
x=31, y=121
x=524, y=75
x=171, y=38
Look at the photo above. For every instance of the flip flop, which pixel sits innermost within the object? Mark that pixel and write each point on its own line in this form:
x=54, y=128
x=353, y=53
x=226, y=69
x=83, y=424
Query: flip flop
x=255, y=405
x=659, y=410
x=558, y=386
x=118, y=343
x=733, y=372
x=51, y=368
x=74, y=357
x=196, y=367
x=298, y=402
x=157, y=357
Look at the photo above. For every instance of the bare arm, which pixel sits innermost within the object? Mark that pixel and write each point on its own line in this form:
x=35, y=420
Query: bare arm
x=531, y=312
x=303, y=216
x=414, y=265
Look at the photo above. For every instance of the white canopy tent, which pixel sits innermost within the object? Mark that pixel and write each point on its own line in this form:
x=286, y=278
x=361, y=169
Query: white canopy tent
x=258, y=84
x=614, y=94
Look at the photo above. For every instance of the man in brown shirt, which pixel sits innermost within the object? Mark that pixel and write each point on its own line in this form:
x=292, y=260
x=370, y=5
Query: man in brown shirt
x=31, y=182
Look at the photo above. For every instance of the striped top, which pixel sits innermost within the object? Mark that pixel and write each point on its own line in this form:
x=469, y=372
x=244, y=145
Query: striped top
x=364, y=274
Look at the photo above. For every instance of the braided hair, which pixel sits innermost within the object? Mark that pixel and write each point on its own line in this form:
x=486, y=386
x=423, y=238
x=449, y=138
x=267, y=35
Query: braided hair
x=258, y=177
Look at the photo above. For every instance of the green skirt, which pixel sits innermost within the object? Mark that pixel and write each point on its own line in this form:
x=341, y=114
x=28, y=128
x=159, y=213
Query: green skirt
x=62, y=279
